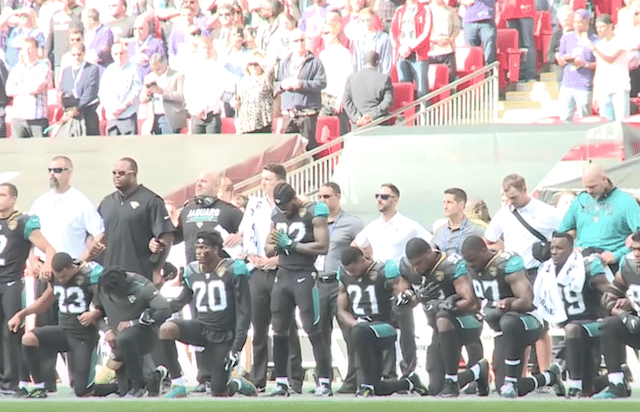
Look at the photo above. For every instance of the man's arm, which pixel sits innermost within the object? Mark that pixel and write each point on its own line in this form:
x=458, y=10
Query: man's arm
x=90, y=91
x=320, y=245
x=38, y=306
x=317, y=80
x=344, y=309
x=384, y=108
x=467, y=301
x=166, y=239
x=38, y=240
x=347, y=100
x=523, y=293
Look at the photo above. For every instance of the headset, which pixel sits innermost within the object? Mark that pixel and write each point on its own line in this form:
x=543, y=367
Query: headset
x=205, y=201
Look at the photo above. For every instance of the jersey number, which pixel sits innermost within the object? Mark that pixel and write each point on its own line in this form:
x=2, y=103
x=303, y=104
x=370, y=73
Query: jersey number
x=357, y=303
x=3, y=244
x=215, y=293
x=575, y=301
x=486, y=289
x=70, y=300
x=295, y=230
x=634, y=293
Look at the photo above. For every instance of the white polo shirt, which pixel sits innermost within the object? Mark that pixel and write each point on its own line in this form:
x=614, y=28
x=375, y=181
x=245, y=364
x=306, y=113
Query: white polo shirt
x=66, y=219
x=389, y=239
x=539, y=215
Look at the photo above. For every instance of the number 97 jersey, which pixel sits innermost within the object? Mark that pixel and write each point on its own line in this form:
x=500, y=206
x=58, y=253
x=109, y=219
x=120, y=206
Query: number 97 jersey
x=490, y=283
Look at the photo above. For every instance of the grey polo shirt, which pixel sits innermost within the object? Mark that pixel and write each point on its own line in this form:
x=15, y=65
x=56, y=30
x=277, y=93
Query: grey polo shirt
x=342, y=230
x=450, y=240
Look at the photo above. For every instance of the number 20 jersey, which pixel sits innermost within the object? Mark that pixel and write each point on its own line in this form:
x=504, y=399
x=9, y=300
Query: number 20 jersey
x=214, y=294
x=490, y=283
x=299, y=227
x=75, y=296
x=631, y=275
x=369, y=295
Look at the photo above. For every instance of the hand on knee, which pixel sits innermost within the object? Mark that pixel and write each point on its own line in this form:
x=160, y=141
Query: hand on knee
x=30, y=339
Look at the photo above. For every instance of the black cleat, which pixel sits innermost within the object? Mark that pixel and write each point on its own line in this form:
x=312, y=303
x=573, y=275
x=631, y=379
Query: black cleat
x=157, y=376
x=557, y=385
x=279, y=390
x=450, y=389
x=417, y=385
x=483, y=379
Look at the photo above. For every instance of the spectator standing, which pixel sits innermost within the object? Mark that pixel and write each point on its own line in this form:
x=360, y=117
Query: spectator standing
x=565, y=25
x=143, y=46
x=4, y=75
x=450, y=236
x=119, y=23
x=269, y=12
x=410, y=34
x=163, y=91
x=27, y=84
x=611, y=82
x=333, y=57
x=58, y=39
x=368, y=94
x=79, y=85
x=446, y=27
x=312, y=20
x=300, y=80
x=479, y=26
x=370, y=38
x=254, y=100
x=21, y=23
x=98, y=39
x=519, y=15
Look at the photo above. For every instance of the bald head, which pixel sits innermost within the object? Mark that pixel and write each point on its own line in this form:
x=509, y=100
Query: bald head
x=595, y=181
x=208, y=184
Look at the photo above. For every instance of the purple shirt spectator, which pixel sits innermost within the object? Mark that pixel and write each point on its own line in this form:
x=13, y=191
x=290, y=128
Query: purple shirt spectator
x=577, y=78
x=480, y=10
x=137, y=52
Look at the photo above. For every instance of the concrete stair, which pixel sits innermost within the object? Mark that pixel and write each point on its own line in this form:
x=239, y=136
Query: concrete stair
x=527, y=102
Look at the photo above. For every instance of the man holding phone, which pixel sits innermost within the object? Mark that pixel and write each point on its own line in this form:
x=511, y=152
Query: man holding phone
x=579, y=68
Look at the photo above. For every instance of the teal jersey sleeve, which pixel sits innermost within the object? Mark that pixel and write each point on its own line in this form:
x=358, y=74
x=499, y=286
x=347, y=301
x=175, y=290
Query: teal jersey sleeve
x=595, y=267
x=33, y=223
x=338, y=273
x=96, y=272
x=391, y=270
x=321, y=210
x=461, y=269
x=186, y=277
x=240, y=268
x=514, y=264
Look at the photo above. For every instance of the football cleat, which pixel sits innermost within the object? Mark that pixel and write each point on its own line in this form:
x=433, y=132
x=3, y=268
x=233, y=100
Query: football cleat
x=177, y=391
x=612, y=392
x=508, y=390
x=557, y=385
x=246, y=388
x=322, y=391
x=450, y=389
x=37, y=393
x=279, y=390
x=417, y=385
x=157, y=376
x=364, y=392
x=20, y=393
x=574, y=393
x=203, y=387
x=483, y=379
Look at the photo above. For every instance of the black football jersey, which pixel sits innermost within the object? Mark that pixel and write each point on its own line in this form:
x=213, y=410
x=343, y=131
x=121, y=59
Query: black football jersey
x=443, y=273
x=490, y=283
x=15, y=245
x=76, y=295
x=369, y=295
x=631, y=274
x=300, y=229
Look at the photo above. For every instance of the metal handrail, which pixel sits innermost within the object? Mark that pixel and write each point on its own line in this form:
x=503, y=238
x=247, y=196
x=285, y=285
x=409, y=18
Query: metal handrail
x=304, y=162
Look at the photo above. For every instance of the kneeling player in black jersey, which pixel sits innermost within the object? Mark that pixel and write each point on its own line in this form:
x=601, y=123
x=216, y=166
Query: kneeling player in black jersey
x=364, y=305
x=501, y=280
x=134, y=308
x=451, y=308
x=220, y=288
x=73, y=286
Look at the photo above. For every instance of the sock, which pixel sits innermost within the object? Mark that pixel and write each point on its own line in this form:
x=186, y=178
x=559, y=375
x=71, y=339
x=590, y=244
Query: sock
x=283, y=381
x=177, y=381
x=547, y=378
x=324, y=382
x=511, y=369
x=454, y=378
x=616, y=378
x=363, y=386
x=23, y=384
x=411, y=385
x=575, y=383
x=234, y=386
x=475, y=369
x=39, y=385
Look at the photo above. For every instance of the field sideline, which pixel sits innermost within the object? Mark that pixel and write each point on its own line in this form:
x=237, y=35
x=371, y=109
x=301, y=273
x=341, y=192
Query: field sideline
x=304, y=404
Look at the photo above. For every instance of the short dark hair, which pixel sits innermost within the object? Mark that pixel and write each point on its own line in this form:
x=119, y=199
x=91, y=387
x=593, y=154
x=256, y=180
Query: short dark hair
x=514, y=180
x=458, y=194
x=13, y=190
x=277, y=169
x=563, y=235
x=636, y=236
x=334, y=186
x=114, y=282
x=393, y=188
x=416, y=246
x=61, y=261
x=473, y=244
x=132, y=163
x=350, y=255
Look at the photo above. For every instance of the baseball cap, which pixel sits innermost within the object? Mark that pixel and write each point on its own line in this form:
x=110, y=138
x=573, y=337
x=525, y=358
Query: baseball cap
x=283, y=193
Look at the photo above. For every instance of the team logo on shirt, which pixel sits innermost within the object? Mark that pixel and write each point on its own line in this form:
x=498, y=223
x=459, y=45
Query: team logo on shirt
x=439, y=276
x=79, y=280
x=134, y=204
x=373, y=275
x=220, y=271
x=132, y=298
x=493, y=271
x=302, y=212
x=199, y=224
x=12, y=225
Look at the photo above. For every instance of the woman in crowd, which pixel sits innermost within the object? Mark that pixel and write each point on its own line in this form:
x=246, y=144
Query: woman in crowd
x=254, y=100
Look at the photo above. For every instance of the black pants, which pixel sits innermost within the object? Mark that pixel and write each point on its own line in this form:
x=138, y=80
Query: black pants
x=48, y=359
x=127, y=126
x=403, y=316
x=15, y=368
x=260, y=288
x=131, y=345
x=28, y=128
x=211, y=125
x=305, y=125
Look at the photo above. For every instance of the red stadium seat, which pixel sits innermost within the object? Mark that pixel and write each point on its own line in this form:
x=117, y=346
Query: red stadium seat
x=542, y=33
x=508, y=54
x=549, y=120
x=579, y=4
x=55, y=113
x=327, y=129
x=591, y=120
x=228, y=125
x=438, y=78
x=403, y=94
x=468, y=60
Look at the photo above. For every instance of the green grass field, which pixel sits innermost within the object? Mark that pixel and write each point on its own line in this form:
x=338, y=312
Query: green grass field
x=337, y=404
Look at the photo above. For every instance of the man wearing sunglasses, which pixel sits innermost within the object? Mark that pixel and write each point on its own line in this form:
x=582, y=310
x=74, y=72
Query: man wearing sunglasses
x=385, y=239
x=299, y=233
x=133, y=215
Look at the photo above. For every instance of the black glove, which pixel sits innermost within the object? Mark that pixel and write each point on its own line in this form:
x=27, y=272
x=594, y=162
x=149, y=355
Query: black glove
x=146, y=318
x=632, y=322
x=450, y=303
x=430, y=291
x=232, y=360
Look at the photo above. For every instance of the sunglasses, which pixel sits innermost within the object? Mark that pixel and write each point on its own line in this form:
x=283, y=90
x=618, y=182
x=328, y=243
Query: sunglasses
x=383, y=196
x=122, y=172
x=57, y=170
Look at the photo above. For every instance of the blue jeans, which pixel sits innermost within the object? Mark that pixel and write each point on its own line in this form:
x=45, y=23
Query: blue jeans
x=161, y=126
x=525, y=38
x=482, y=34
x=414, y=70
x=572, y=99
x=614, y=106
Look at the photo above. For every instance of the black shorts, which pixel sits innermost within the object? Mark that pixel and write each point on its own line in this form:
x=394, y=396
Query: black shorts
x=293, y=289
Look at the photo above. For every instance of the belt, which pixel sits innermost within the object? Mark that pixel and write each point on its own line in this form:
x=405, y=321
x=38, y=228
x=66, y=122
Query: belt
x=327, y=278
x=299, y=113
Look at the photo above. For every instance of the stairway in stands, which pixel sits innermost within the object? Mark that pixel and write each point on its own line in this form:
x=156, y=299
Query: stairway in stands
x=530, y=101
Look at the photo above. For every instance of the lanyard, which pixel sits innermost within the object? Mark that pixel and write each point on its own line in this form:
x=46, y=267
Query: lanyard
x=334, y=224
x=447, y=235
x=76, y=79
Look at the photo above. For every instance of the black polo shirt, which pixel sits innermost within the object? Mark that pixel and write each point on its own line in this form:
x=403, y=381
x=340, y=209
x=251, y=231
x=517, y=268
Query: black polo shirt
x=129, y=224
x=201, y=215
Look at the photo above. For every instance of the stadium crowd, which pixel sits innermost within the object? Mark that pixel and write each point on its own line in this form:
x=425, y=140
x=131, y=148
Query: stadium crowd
x=532, y=266
x=156, y=66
